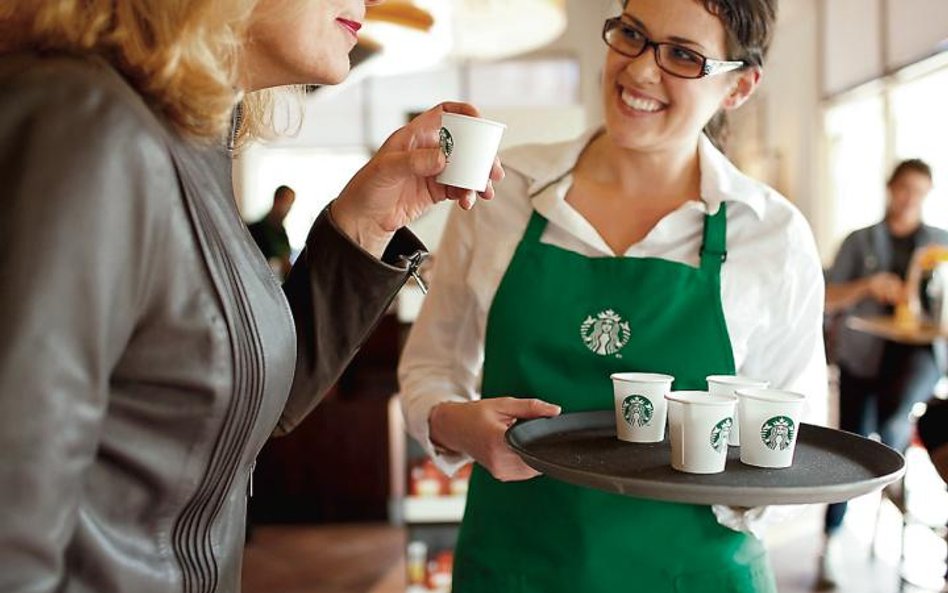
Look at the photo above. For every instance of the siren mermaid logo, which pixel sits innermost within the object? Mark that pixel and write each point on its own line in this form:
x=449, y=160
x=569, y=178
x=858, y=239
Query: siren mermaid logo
x=777, y=433
x=720, y=434
x=637, y=410
x=606, y=333
x=446, y=141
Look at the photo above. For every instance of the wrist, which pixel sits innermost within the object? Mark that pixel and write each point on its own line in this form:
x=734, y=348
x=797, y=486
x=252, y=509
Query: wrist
x=440, y=435
x=365, y=233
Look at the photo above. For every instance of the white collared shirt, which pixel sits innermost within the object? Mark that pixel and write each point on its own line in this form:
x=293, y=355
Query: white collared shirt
x=771, y=284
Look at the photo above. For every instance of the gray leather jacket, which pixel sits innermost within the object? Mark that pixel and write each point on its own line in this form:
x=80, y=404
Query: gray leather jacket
x=146, y=350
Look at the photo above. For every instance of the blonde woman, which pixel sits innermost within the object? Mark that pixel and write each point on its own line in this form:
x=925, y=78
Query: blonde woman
x=147, y=352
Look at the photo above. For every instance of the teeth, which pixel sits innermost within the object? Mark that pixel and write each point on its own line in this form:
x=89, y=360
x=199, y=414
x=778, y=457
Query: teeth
x=640, y=104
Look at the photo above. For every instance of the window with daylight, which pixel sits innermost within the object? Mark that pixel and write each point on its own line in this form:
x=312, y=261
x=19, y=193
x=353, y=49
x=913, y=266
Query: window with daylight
x=870, y=130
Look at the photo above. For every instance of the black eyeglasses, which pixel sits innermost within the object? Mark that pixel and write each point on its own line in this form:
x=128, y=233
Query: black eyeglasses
x=674, y=59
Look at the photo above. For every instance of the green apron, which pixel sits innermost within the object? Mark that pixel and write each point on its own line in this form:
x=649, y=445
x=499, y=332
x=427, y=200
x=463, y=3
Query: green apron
x=559, y=325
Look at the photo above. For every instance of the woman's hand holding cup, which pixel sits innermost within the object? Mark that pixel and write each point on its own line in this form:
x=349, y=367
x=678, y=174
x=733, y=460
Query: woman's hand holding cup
x=398, y=184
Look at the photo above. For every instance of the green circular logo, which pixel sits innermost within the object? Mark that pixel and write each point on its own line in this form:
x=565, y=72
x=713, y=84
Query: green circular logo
x=446, y=141
x=637, y=410
x=720, y=434
x=777, y=433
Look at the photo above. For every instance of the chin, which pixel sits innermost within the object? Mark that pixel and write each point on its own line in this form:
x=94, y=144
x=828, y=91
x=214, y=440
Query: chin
x=335, y=75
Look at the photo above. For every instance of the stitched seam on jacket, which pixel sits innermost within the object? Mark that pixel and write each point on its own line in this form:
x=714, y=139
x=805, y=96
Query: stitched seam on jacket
x=192, y=533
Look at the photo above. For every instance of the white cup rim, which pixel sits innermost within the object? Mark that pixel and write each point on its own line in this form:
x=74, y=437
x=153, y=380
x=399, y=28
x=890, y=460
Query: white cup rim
x=700, y=398
x=737, y=380
x=771, y=395
x=472, y=118
x=632, y=377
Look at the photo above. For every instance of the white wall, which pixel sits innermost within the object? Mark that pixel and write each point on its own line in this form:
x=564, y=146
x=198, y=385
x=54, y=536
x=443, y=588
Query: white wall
x=583, y=39
x=786, y=115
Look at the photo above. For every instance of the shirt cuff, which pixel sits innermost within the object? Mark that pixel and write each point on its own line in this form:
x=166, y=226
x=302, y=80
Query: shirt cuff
x=416, y=420
x=755, y=520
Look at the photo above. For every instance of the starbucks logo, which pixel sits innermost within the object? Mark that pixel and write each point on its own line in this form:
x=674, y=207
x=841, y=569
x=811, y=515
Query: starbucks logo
x=777, y=433
x=637, y=410
x=446, y=141
x=606, y=333
x=720, y=434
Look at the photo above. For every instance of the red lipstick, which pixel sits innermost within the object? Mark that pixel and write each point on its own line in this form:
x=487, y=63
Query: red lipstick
x=352, y=26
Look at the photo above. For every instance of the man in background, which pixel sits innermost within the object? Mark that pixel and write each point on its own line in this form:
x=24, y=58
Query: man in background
x=879, y=380
x=270, y=235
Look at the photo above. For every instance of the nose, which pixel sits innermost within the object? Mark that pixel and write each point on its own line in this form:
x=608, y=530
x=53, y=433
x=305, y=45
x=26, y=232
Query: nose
x=644, y=68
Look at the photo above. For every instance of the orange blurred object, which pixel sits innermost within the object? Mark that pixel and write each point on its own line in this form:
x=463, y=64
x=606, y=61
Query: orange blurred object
x=426, y=479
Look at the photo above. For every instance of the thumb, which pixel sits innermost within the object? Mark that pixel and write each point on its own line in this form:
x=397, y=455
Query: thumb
x=528, y=408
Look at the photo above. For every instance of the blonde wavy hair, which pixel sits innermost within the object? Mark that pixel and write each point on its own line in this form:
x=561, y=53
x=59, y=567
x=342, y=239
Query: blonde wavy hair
x=180, y=55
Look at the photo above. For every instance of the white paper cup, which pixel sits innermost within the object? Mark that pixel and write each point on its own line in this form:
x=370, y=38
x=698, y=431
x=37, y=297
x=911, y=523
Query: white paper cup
x=640, y=406
x=698, y=427
x=770, y=422
x=470, y=145
x=728, y=385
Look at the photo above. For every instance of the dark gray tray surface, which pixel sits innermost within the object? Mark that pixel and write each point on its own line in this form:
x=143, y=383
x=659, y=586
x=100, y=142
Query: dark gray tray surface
x=581, y=448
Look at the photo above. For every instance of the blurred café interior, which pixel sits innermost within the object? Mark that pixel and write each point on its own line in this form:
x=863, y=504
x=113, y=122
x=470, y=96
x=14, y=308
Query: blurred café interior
x=348, y=503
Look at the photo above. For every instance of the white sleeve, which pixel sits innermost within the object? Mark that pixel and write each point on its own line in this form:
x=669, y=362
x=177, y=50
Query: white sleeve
x=443, y=356
x=789, y=350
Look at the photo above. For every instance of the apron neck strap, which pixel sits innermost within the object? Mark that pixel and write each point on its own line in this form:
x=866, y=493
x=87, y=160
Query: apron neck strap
x=535, y=228
x=714, y=243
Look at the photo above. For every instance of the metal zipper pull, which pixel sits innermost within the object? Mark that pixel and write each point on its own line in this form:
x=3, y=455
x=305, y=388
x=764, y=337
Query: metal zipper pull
x=253, y=466
x=414, y=262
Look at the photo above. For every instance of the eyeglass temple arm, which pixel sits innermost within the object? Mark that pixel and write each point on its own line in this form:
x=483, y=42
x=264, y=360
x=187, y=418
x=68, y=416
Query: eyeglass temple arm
x=720, y=66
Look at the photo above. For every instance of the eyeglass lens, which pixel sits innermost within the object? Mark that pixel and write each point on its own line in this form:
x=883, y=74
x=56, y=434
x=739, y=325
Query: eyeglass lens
x=674, y=59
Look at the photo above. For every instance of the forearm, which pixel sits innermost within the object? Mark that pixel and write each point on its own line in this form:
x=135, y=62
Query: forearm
x=440, y=421
x=843, y=295
x=359, y=229
x=337, y=293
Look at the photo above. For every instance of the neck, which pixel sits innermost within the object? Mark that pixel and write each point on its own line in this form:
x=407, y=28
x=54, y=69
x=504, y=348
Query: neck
x=902, y=226
x=672, y=176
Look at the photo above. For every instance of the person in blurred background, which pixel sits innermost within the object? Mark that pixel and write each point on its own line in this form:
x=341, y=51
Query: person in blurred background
x=146, y=352
x=644, y=225
x=879, y=380
x=933, y=432
x=269, y=233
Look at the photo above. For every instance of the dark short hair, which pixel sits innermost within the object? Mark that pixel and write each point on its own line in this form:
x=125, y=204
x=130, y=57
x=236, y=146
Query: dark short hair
x=910, y=165
x=283, y=190
x=749, y=25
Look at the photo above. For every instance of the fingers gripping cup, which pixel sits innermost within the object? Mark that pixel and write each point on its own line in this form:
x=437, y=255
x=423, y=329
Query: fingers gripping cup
x=770, y=422
x=698, y=427
x=640, y=406
x=470, y=145
x=728, y=385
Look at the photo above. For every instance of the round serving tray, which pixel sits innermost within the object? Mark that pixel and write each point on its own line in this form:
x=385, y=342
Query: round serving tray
x=581, y=448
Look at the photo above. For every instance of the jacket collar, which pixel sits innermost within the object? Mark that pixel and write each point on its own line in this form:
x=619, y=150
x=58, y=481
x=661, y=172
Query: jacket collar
x=544, y=165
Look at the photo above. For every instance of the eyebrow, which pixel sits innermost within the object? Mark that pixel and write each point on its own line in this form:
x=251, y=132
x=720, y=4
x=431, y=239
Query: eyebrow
x=674, y=39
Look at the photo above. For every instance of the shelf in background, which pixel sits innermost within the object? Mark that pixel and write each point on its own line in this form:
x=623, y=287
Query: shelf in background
x=433, y=509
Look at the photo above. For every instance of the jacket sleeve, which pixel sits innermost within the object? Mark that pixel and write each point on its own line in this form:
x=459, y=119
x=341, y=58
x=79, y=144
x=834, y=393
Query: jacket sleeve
x=76, y=234
x=338, y=292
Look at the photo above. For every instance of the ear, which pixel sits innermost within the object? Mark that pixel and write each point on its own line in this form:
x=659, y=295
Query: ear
x=742, y=89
